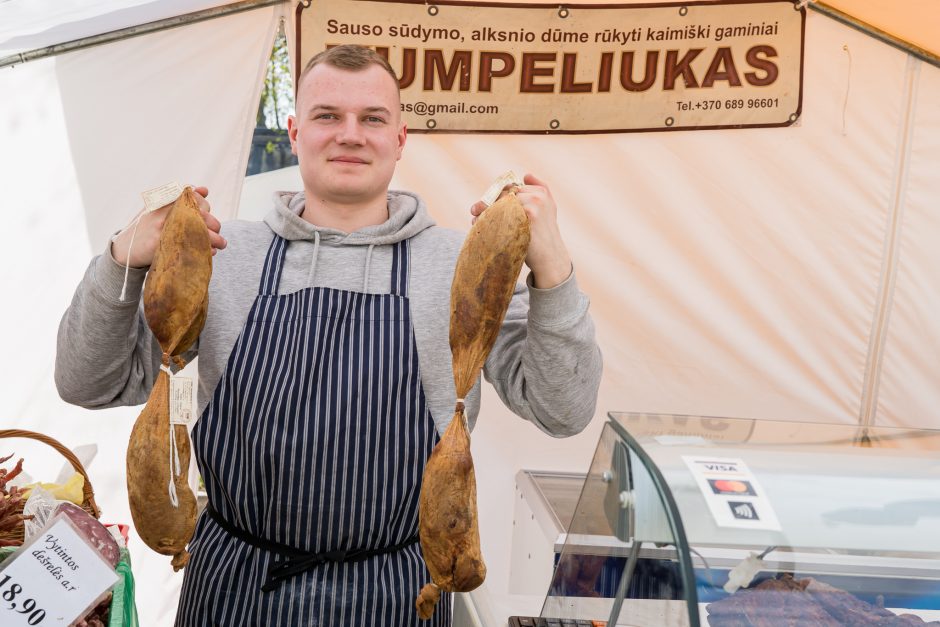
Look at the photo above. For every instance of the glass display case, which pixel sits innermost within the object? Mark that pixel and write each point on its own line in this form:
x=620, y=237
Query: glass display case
x=689, y=521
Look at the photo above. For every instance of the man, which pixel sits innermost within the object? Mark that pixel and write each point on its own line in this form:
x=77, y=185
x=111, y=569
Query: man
x=325, y=368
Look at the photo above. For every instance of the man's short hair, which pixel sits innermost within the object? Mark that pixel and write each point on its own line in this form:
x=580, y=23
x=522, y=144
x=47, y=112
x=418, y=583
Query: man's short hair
x=352, y=57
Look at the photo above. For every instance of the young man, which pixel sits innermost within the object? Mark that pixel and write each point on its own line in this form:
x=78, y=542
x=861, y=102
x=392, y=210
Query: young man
x=325, y=368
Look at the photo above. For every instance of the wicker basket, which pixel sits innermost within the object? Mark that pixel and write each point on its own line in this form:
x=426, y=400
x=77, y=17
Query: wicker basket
x=88, y=494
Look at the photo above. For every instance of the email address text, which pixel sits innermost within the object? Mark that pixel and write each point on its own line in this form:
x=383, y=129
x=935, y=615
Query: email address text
x=423, y=108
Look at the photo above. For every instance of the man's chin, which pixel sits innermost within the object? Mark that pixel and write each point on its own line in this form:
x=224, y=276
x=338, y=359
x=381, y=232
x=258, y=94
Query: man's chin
x=352, y=195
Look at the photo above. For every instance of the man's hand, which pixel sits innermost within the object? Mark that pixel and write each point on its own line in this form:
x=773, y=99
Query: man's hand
x=148, y=234
x=547, y=256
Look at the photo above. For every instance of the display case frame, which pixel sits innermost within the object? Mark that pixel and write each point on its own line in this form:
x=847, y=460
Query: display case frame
x=821, y=469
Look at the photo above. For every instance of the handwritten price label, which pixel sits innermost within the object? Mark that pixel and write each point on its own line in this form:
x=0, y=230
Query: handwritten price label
x=11, y=594
x=54, y=579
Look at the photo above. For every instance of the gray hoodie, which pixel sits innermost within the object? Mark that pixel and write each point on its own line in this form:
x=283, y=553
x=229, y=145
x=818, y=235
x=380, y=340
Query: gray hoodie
x=545, y=366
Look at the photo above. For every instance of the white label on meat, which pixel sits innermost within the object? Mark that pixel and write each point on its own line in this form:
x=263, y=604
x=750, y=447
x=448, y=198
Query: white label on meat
x=501, y=183
x=181, y=400
x=161, y=196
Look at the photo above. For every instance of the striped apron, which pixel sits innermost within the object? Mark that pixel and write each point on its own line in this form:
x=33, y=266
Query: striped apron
x=312, y=450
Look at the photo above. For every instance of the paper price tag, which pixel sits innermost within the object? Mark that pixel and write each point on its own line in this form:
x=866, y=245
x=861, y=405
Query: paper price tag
x=160, y=196
x=492, y=194
x=181, y=400
x=54, y=579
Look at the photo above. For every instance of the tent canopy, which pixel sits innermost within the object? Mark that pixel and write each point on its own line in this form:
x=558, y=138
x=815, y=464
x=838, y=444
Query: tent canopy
x=27, y=25
x=784, y=273
x=916, y=22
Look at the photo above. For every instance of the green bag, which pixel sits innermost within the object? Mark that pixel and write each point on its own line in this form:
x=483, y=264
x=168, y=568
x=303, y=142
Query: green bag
x=123, y=608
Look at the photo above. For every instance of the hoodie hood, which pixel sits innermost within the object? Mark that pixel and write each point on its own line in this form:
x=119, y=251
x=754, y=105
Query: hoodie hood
x=407, y=216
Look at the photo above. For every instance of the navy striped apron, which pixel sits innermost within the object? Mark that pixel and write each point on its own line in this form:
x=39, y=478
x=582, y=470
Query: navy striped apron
x=314, y=442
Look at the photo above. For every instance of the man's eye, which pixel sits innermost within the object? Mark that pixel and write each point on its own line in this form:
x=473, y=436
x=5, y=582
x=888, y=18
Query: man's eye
x=325, y=116
x=374, y=119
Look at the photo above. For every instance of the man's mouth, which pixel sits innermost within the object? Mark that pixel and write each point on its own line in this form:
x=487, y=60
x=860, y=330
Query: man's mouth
x=349, y=160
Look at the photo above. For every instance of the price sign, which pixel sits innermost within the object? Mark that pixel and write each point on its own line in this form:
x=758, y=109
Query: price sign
x=54, y=579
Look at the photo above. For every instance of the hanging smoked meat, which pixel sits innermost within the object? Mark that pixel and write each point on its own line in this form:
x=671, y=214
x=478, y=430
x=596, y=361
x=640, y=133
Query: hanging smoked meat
x=484, y=280
x=163, y=506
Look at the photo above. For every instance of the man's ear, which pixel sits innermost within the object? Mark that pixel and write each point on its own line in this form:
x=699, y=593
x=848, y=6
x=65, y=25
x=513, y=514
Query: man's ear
x=292, y=133
x=402, y=137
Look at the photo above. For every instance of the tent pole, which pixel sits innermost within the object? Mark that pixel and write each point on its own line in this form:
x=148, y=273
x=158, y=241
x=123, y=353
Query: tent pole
x=135, y=31
x=877, y=33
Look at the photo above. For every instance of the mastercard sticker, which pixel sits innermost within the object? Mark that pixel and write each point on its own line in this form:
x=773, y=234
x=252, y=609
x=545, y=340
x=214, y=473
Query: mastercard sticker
x=732, y=487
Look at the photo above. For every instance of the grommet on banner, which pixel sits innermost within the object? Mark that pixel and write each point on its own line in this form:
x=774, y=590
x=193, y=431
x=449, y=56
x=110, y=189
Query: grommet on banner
x=683, y=11
x=432, y=9
x=431, y=123
x=563, y=12
x=670, y=121
x=554, y=125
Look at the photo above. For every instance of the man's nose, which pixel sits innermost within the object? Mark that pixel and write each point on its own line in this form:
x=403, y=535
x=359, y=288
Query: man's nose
x=350, y=131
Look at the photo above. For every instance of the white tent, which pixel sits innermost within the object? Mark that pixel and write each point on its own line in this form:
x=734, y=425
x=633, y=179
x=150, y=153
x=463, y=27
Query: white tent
x=782, y=273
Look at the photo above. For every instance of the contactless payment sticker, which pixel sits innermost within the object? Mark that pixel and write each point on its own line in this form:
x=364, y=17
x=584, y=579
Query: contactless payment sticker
x=733, y=494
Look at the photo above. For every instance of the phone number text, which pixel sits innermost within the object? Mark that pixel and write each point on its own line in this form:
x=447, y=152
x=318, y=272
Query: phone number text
x=730, y=103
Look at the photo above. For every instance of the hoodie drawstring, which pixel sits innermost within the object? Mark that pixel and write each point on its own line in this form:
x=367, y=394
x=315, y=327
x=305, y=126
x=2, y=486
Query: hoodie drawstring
x=316, y=252
x=313, y=262
x=365, y=282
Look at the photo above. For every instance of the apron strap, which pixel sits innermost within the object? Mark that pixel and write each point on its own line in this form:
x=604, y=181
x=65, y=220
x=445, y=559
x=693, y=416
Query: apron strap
x=298, y=561
x=285, y=569
x=400, y=267
x=273, y=264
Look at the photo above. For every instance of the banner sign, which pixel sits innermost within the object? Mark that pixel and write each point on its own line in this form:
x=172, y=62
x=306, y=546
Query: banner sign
x=536, y=68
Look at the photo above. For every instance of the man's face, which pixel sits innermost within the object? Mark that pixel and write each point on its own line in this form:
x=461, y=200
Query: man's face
x=347, y=134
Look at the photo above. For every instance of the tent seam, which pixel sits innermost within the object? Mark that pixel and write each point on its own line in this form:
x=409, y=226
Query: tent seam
x=890, y=260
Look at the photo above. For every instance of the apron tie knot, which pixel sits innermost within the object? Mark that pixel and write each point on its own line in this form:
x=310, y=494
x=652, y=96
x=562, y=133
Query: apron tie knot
x=285, y=569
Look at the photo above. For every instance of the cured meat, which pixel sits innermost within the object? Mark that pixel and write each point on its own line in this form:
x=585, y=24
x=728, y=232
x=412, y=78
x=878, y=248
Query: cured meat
x=11, y=506
x=93, y=531
x=848, y=609
x=484, y=280
x=779, y=602
x=164, y=527
x=175, y=305
x=450, y=534
x=177, y=287
x=789, y=602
